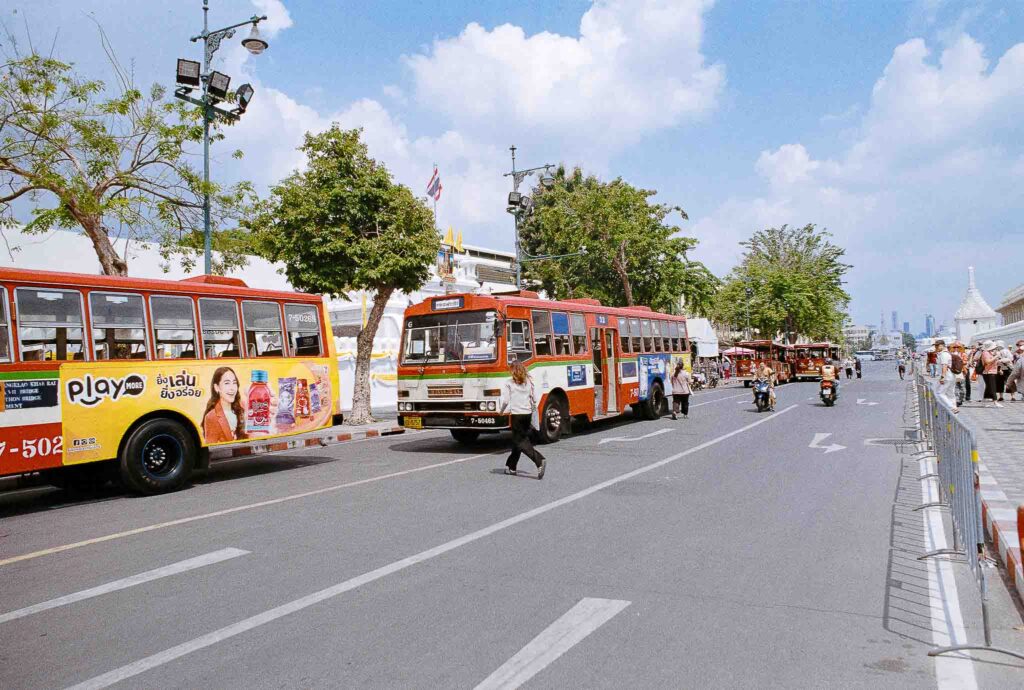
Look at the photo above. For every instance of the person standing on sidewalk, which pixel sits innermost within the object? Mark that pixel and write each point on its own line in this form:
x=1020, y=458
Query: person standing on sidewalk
x=1005, y=365
x=1016, y=379
x=947, y=380
x=681, y=391
x=958, y=370
x=901, y=367
x=990, y=370
x=520, y=400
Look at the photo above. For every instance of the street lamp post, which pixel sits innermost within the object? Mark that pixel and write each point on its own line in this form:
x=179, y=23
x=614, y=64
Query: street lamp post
x=215, y=89
x=521, y=206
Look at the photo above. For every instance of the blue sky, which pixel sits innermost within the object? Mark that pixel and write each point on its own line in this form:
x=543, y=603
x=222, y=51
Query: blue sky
x=895, y=125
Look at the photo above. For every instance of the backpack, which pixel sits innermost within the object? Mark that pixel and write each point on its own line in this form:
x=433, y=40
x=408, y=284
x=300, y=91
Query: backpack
x=958, y=364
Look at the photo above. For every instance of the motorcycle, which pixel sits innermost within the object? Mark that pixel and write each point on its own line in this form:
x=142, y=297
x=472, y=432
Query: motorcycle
x=827, y=393
x=713, y=380
x=698, y=381
x=762, y=395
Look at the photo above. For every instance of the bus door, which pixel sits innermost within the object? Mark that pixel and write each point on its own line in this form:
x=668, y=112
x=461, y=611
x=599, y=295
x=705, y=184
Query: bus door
x=597, y=348
x=610, y=381
x=605, y=388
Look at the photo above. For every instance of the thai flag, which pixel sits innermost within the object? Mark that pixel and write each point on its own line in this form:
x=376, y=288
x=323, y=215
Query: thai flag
x=434, y=186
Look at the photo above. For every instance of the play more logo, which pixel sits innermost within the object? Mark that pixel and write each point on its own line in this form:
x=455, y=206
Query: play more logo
x=92, y=390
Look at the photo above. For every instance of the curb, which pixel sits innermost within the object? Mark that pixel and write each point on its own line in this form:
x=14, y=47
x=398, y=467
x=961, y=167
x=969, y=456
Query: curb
x=276, y=446
x=999, y=516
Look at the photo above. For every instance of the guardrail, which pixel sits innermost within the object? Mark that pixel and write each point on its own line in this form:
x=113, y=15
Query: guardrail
x=956, y=456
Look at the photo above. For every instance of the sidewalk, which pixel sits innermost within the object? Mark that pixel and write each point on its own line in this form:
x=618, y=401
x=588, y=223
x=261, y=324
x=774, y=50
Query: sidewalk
x=999, y=433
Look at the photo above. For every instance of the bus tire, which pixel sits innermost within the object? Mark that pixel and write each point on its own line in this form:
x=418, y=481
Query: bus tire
x=654, y=406
x=553, y=419
x=158, y=457
x=465, y=436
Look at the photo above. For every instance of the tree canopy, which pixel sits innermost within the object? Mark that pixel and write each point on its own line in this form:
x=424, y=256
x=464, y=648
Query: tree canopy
x=342, y=224
x=633, y=256
x=789, y=281
x=114, y=160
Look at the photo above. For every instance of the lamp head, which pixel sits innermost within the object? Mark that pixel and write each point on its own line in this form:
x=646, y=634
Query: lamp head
x=218, y=85
x=244, y=94
x=188, y=72
x=254, y=43
x=546, y=179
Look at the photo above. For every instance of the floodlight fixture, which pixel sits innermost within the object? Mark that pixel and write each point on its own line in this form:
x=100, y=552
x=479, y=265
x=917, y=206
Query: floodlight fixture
x=244, y=93
x=513, y=199
x=255, y=43
x=188, y=72
x=218, y=85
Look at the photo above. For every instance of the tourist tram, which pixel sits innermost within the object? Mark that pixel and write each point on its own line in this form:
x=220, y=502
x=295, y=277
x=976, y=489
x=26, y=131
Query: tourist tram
x=775, y=354
x=106, y=375
x=808, y=358
x=587, y=361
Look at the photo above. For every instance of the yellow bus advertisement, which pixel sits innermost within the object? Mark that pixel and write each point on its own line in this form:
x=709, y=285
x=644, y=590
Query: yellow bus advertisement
x=225, y=402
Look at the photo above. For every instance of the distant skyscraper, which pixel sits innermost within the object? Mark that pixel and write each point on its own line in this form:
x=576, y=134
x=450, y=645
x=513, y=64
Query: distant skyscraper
x=906, y=327
x=895, y=321
x=929, y=325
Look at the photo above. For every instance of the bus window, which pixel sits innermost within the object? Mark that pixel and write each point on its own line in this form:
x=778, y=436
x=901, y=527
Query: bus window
x=666, y=340
x=656, y=331
x=519, y=342
x=262, y=322
x=634, y=336
x=5, y=332
x=303, y=329
x=174, y=326
x=118, y=325
x=645, y=331
x=673, y=335
x=624, y=335
x=542, y=333
x=49, y=324
x=579, y=334
x=219, y=320
x=560, y=331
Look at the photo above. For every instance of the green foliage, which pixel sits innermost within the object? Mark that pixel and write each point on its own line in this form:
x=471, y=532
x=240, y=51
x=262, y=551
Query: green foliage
x=790, y=280
x=910, y=342
x=632, y=255
x=343, y=224
x=115, y=162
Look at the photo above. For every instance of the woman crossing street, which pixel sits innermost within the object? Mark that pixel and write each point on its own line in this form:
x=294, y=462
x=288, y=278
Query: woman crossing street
x=520, y=400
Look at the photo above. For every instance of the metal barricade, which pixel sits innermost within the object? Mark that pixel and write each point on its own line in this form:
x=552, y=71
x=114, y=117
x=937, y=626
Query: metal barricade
x=956, y=456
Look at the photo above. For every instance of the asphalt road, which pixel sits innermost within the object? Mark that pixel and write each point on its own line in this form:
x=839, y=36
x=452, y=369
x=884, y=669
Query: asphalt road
x=718, y=551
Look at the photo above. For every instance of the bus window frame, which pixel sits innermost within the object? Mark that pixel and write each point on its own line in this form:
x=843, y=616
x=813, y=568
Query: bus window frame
x=512, y=355
x=280, y=321
x=561, y=341
x=636, y=339
x=196, y=330
x=648, y=336
x=9, y=322
x=319, y=327
x=624, y=343
x=575, y=318
x=86, y=346
x=145, y=326
x=239, y=330
x=666, y=335
x=548, y=335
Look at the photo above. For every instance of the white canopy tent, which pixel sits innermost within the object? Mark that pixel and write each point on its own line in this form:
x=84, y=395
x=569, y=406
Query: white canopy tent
x=701, y=332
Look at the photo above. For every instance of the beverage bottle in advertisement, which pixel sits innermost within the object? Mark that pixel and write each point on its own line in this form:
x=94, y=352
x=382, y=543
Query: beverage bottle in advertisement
x=302, y=399
x=314, y=398
x=257, y=416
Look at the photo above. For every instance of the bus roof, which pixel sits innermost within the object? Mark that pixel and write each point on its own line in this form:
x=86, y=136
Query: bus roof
x=199, y=285
x=525, y=298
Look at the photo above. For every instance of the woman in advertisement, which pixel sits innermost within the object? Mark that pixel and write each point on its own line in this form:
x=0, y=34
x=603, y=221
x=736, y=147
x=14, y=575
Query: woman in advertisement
x=224, y=419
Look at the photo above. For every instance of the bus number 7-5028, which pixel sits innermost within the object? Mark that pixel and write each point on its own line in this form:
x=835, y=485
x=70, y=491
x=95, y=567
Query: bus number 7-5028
x=32, y=447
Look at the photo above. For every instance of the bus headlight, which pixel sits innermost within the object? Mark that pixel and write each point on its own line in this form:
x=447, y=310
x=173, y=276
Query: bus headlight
x=483, y=406
x=492, y=406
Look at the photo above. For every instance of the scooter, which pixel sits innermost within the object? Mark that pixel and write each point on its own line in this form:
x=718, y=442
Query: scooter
x=828, y=393
x=762, y=395
x=713, y=380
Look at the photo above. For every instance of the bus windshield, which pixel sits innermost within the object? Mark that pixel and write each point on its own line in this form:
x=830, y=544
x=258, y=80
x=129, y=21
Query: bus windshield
x=467, y=336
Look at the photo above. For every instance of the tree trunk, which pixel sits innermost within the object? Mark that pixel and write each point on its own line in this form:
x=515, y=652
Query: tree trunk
x=112, y=264
x=619, y=264
x=361, y=410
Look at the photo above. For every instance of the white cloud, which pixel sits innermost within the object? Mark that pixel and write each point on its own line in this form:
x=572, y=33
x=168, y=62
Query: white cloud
x=636, y=67
x=786, y=166
x=278, y=17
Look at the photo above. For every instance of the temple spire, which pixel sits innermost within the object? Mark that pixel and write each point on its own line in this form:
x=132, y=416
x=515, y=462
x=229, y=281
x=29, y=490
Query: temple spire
x=970, y=278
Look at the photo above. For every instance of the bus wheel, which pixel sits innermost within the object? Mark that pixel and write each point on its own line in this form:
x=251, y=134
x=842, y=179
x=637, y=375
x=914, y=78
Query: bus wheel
x=655, y=404
x=158, y=457
x=465, y=436
x=552, y=419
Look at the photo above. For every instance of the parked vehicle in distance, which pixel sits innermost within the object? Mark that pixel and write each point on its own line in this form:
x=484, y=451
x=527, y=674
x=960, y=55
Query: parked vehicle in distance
x=865, y=356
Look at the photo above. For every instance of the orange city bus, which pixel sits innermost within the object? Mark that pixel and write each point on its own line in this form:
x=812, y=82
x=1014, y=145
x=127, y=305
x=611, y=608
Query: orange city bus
x=764, y=351
x=808, y=358
x=99, y=372
x=587, y=361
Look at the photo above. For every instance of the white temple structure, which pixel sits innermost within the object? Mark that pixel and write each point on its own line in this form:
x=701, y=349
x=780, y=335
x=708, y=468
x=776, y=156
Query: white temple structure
x=974, y=315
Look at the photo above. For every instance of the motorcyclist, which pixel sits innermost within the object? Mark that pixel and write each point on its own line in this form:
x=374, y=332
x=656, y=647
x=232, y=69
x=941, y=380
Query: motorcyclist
x=766, y=373
x=830, y=373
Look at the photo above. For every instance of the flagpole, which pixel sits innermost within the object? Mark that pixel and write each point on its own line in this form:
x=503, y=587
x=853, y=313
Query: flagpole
x=435, y=202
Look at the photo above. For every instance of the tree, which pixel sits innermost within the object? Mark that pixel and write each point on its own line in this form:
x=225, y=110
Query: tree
x=342, y=225
x=909, y=342
x=795, y=281
x=115, y=163
x=632, y=255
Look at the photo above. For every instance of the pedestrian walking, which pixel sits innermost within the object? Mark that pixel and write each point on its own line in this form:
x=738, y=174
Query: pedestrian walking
x=1016, y=378
x=849, y=368
x=946, y=389
x=726, y=368
x=901, y=367
x=1005, y=365
x=681, y=390
x=520, y=399
x=989, y=364
x=857, y=366
x=959, y=371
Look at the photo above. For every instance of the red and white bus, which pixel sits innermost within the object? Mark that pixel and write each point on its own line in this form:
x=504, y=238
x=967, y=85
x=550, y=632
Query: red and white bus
x=761, y=352
x=143, y=376
x=587, y=361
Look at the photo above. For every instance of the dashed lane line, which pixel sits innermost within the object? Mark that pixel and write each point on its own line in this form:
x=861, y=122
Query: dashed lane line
x=208, y=640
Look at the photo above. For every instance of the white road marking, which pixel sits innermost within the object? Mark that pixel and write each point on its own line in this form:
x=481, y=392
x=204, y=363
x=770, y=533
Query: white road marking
x=951, y=671
x=731, y=397
x=236, y=509
x=863, y=401
x=634, y=438
x=153, y=661
x=125, y=583
x=557, y=639
x=388, y=437
x=832, y=448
